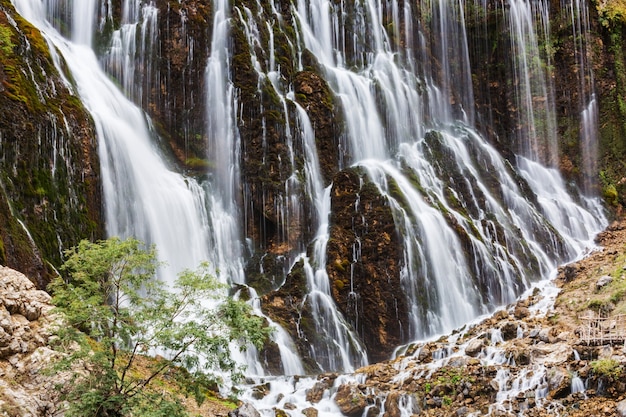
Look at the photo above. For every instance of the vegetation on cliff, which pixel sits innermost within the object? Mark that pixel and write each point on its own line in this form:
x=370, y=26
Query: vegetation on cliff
x=49, y=174
x=610, y=67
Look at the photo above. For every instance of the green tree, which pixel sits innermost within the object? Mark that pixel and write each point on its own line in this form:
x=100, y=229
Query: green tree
x=118, y=313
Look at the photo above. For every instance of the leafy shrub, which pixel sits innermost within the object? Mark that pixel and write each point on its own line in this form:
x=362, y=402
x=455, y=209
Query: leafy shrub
x=110, y=297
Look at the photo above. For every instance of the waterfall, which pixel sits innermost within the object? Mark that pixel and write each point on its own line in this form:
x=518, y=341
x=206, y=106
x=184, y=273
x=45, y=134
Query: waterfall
x=475, y=229
x=533, y=92
x=142, y=194
x=453, y=196
x=577, y=384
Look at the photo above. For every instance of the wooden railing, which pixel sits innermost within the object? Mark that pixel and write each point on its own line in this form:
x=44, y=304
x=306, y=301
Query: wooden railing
x=603, y=330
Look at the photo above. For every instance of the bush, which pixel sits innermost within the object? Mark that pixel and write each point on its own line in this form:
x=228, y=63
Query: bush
x=110, y=297
x=606, y=367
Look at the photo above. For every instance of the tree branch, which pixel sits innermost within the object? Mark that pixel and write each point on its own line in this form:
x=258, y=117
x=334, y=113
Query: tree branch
x=167, y=364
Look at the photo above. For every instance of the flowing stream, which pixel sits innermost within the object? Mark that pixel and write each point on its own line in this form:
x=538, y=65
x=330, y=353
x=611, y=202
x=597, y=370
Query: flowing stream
x=476, y=229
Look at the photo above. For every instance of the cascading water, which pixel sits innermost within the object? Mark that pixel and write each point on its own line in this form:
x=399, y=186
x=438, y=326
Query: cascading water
x=475, y=231
x=142, y=194
x=533, y=92
x=453, y=196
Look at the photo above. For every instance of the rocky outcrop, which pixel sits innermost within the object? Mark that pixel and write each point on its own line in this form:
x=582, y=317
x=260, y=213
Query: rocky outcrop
x=28, y=387
x=574, y=80
x=288, y=308
x=314, y=95
x=169, y=73
x=364, y=250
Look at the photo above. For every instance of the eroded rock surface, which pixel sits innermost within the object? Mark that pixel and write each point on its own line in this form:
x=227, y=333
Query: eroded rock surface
x=28, y=387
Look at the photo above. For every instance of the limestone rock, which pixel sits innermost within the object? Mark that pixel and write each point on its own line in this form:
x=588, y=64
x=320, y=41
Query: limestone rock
x=551, y=354
x=315, y=394
x=621, y=408
x=26, y=325
x=246, y=410
x=559, y=383
x=569, y=272
x=350, y=400
x=392, y=408
x=20, y=296
x=521, y=312
x=260, y=391
x=603, y=281
x=545, y=335
x=310, y=412
x=509, y=330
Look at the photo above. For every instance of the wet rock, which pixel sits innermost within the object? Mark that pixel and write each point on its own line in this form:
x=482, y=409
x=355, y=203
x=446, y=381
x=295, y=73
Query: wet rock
x=569, y=272
x=603, y=281
x=245, y=410
x=310, y=412
x=373, y=411
x=286, y=305
x=260, y=391
x=398, y=404
x=521, y=312
x=474, y=347
x=316, y=393
x=279, y=412
x=522, y=358
x=367, y=290
x=500, y=315
x=509, y=330
x=350, y=400
x=314, y=94
x=559, y=383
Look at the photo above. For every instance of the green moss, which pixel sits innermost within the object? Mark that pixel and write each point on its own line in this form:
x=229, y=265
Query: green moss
x=6, y=44
x=610, y=195
x=606, y=367
x=197, y=164
x=57, y=206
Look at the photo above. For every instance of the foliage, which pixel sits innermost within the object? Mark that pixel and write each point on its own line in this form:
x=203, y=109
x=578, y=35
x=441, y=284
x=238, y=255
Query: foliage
x=118, y=313
x=6, y=45
x=606, y=367
x=610, y=11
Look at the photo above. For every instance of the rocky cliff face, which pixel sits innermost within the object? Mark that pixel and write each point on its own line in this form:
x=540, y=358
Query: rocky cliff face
x=169, y=77
x=582, y=66
x=49, y=172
